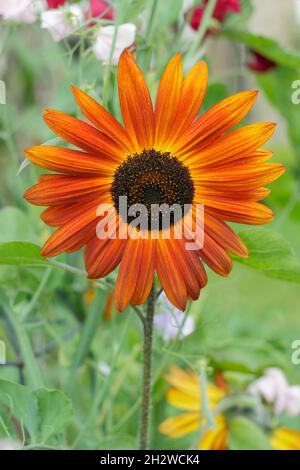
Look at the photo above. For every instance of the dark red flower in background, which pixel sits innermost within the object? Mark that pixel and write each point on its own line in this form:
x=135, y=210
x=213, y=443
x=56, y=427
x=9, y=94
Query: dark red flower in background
x=223, y=7
x=101, y=8
x=55, y=3
x=96, y=8
x=259, y=63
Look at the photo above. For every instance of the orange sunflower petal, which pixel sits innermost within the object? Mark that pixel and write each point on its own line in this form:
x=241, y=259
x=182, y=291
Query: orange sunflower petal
x=58, y=189
x=170, y=276
x=231, y=147
x=243, y=177
x=258, y=157
x=217, y=120
x=225, y=236
x=243, y=212
x=190, y=267
x=128, y=273
x=83, y=135
x=102, y=119
x=194, y=88
x=146, y=272
x=215, y=256
x=59, y=214
x=168, y=101
x=73, y=234
x=69, y=161
x=136, y=104
x=102, y=256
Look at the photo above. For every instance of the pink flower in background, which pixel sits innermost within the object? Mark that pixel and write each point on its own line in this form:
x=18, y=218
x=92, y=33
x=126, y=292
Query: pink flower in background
x=259, y=63
x=293, y=401
x=55, y=3
x=61, y=22
x=104, y=39
x=18, y=10
x=223, y=7
x=102, y=9
x=273, y=387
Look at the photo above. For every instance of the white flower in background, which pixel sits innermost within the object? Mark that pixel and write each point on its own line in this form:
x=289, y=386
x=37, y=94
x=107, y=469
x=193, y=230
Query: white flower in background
x=187, y=5
x=62, y=21
x=292, y=407
x=9, y=444
x=18, y=10
x=271, y=386
x=274, y=388
x=104, y=39
x=104, y=368
x=170, y=322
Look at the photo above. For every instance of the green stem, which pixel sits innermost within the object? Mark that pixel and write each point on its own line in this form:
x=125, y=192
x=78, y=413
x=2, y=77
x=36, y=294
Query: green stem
x=206, y=416
x=206, y=412
x=106, y=77
x=34, y=375
x=145, y=56
x=147, y=369
x=87, y=334
x=150, y=21
x=72, y=269
x=205, y=23
x=30, y=306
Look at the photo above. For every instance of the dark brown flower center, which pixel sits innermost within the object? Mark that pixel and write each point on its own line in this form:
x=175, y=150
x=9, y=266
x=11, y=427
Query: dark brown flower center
x=153, y=178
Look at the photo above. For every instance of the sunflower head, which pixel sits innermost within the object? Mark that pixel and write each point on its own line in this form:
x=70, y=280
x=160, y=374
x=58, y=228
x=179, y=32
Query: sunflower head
x=168, y=157
x=150, y=178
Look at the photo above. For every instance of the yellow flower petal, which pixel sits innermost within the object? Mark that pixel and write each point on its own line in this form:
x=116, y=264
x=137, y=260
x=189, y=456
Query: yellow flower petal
x=285, y=439
x=180, y=425
x=215, y=439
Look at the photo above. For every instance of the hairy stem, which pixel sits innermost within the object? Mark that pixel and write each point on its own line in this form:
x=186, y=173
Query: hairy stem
x=147, y=369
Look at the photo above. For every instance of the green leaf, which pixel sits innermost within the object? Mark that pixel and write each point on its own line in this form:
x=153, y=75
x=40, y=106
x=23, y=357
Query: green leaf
x=55, y=410
x=167, y=12
x=251, y=358
x=214, y=94
x=19, y=401
x=42, y=412
x=238, y=379
x=270, y=253
x=277, y=86
x=15, y=226
x=130, y=9
x=265, y=46
x=246, y=435
x=21, y=254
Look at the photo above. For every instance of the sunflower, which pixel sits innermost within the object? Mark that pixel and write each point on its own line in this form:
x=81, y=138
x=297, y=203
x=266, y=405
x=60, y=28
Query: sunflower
x=185, y=395
x=162, y=156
